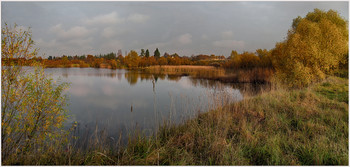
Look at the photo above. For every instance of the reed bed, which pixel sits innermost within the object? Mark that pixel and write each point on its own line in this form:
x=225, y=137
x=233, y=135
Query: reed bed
x=255, y=75
x=185, y=70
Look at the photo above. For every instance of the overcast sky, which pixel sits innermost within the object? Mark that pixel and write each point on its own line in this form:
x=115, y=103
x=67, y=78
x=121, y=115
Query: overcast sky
x=76, y=28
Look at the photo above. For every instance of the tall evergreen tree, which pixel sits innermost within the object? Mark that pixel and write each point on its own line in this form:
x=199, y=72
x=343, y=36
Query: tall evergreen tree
x=147, y=53
x=157, y=54
x=142, y=54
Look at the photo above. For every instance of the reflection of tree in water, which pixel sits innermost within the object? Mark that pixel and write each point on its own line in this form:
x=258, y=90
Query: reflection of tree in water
x=132, y=77
x=112, y=75
x=119, y=76
x=145, y=76
x=204, y=82
x=174, y=78
x=247, y=89
x=161, y=76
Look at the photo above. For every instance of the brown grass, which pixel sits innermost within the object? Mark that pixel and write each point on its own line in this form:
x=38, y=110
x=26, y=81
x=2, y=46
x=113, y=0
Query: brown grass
x=256, y=75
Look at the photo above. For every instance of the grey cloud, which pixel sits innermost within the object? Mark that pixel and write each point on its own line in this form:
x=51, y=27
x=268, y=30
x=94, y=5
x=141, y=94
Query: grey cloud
x=108, y=32
x=226, y=34
x=138, y=18
x=185, y=38
x=181, y=40
x=111, y=18
x=183, y=27
x=229, y=44
x=204, y=36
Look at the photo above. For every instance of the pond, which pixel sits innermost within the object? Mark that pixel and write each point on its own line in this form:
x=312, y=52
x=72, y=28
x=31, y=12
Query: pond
x=118, y=101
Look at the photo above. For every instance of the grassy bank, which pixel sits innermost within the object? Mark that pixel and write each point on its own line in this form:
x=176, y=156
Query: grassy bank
x=298, y=127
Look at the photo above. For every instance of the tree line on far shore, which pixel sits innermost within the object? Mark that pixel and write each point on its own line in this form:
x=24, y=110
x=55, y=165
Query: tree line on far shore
x=133, y=60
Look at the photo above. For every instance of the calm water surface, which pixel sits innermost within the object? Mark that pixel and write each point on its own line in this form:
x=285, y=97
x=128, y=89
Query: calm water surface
x=117, y=101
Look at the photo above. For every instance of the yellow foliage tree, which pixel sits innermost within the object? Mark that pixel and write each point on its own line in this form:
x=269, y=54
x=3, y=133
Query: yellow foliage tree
x=132, y=59
x=32, y=105
x=315, y=46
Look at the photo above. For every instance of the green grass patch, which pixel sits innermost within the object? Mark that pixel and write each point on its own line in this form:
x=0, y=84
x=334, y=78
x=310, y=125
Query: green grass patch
x=335, y=89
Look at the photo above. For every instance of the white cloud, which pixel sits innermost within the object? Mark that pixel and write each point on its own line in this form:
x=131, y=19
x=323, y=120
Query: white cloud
x=227, y=34
x=138, y=18
x=74, y=32
x=111, y=18
x=185, y=39
x=229, y=44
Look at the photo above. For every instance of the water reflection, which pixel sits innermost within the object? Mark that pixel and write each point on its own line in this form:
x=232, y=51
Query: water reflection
x=67, y=72
x=133, y=77
x=103, y=99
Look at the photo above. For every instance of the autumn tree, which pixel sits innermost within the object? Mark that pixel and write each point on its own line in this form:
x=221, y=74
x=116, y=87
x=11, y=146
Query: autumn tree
x=246, y=60
x=151, y=61
x=233, y=54
x=166, y=55
x=120, y=58
x=32, y=105
x=163, y=61
x=113, y=63
x=132, y=59
x=65, y=61
x=315, y=45
x=265, y=58
x=90, y=59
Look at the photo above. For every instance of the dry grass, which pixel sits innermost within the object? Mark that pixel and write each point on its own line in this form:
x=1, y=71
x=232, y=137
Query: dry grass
x=280, y=127
x=299, y=127
x=256, y=75
x=185, y=70
x=181, y=67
